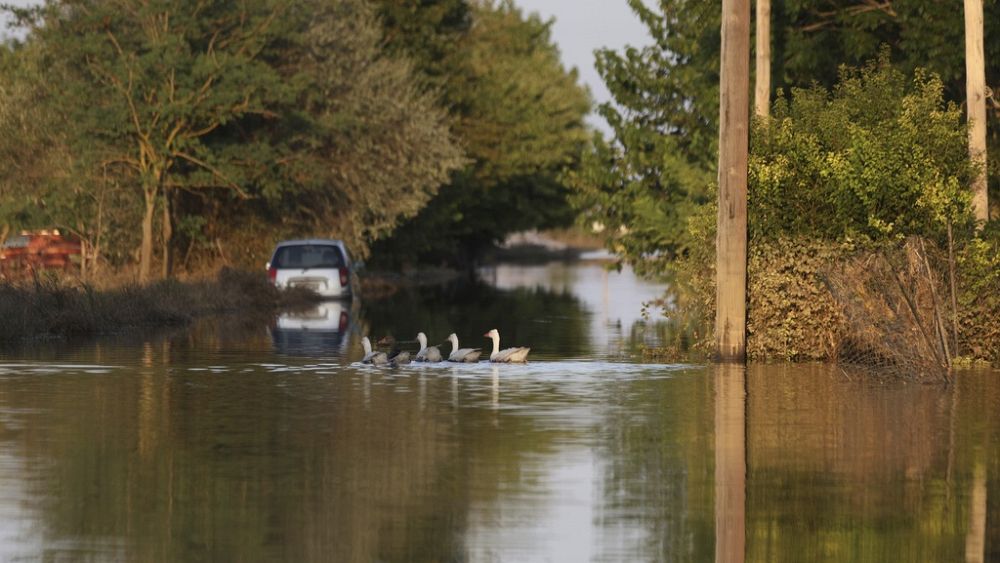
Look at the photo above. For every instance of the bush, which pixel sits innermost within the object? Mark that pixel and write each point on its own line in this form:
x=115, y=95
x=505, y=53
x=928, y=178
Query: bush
x=49, y=308
x=840, y=176
x=978, y=264
x=877, y=159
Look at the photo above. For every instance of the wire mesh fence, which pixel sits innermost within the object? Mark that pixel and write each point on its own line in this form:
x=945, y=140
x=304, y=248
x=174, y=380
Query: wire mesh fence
x=896, y=306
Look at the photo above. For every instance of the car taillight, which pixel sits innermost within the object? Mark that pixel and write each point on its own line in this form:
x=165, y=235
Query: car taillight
x=272, y=274
x=343, y=277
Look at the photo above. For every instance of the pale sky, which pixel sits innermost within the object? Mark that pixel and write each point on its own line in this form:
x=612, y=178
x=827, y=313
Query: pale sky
x=582, y=26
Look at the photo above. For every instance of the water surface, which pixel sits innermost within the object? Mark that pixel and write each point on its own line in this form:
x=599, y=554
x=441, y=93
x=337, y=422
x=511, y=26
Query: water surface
x=270, y=443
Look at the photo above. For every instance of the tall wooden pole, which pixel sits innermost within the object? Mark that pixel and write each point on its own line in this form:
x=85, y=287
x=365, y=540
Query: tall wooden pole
x=734, y=140
x=762, y=80
x=975, y=86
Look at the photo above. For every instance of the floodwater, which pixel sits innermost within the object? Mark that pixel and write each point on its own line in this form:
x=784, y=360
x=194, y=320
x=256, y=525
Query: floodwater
x=270, y=443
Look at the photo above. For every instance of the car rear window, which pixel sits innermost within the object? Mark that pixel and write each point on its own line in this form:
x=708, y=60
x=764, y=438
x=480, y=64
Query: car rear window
x=308, y=256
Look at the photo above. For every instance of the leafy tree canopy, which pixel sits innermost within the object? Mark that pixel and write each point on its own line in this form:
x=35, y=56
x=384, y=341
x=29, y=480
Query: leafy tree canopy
x=519, y=115
x=643, y=184
x=879, y=157
x=284, y=115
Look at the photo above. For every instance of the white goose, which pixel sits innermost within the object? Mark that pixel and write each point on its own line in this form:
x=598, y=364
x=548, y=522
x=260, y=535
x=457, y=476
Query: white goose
x=375, y=358
x=427, y=353
x=507, y=356
x=462, y=354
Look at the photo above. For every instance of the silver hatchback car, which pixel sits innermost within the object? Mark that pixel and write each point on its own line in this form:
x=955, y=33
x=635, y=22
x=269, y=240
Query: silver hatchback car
x=322, y=265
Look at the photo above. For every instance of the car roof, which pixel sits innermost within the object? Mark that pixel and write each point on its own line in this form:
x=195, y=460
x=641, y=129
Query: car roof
x=334, y=242
x=327, y=241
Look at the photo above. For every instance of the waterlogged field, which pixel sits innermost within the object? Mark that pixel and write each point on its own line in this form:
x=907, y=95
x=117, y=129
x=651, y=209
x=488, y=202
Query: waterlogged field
x=271, y=442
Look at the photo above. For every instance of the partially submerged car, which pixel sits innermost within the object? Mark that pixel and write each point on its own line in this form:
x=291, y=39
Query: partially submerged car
x=322, y=265
x=33, y=251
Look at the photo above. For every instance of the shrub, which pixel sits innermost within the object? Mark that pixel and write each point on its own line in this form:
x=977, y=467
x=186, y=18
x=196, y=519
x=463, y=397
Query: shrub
x=878, y=158
x=839, y=175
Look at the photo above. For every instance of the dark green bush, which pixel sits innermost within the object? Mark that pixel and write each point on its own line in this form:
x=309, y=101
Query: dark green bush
x=878, y=158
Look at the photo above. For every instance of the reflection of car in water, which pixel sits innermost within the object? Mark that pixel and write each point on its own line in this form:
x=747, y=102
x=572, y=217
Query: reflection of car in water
x=322, y=329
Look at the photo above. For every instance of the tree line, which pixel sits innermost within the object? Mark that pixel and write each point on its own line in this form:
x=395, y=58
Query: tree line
x=659, y=166
x=860, y=142
x=177, y=133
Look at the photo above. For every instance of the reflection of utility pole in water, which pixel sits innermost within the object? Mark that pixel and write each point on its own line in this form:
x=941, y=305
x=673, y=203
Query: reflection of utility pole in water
x=366, y=389
x=422, y=393
x=730, y=463
x=496, y=387
x=496, y=394
x=605, y=299
x=975, y=539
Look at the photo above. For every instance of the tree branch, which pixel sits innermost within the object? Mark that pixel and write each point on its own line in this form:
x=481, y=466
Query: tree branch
x=215, y=172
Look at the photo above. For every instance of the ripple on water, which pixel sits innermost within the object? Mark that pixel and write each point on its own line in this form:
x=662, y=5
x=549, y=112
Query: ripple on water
x=555, y=370
x=28, y=368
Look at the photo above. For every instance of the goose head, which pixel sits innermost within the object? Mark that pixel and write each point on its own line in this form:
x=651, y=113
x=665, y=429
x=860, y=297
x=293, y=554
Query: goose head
x=422, y=339
x=453, y=338
x=494, y=335
x=367, y=345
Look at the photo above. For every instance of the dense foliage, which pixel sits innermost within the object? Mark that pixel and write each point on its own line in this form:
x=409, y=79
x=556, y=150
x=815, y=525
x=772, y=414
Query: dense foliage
x=839, y=174
x=641, y=185
x=514, y=108
x=877, y=157
x=193, y=132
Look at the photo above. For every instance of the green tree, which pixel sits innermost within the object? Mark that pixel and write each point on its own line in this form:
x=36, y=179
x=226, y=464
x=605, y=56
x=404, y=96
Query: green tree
x=643, y=184
x=45, y=182
x=367, y=136
x=519, y=115
x=287, y=115
x=150, y=82
x=878, y=158
x=639, y=187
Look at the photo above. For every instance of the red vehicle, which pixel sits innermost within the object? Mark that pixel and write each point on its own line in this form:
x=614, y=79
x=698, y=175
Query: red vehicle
x=30, y=252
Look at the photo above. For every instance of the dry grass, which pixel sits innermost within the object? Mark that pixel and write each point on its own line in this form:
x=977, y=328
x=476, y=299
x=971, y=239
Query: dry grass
x=51, y=308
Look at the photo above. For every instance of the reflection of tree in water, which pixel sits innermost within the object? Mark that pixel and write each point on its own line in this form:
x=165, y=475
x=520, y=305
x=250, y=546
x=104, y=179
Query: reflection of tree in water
x=251, y=466
x=862, y=474
x=659, y=472
x=554, y=324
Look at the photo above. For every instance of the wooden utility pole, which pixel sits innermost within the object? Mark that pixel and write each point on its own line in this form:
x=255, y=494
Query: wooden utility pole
x=762, y=82
x=975, y=86
x=734, y=140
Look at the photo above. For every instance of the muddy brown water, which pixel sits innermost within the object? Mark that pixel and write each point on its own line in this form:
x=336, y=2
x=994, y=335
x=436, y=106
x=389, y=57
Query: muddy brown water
x=270, y=443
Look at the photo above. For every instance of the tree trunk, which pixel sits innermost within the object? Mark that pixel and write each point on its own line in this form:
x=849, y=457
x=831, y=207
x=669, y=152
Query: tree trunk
x=146, y=250
x=762, y=84
x=975, y=86
x=734, y=140
x=168, y=234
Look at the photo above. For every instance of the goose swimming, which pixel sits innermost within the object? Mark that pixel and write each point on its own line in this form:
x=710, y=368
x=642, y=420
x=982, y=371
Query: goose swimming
x=462, y=354
x=427, y=353
x=517, y=355
x=396, y=356
x=375, y=358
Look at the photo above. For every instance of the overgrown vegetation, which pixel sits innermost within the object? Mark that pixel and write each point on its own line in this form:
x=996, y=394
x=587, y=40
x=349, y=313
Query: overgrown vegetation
x=848, y=176
x=177, y=134
x=515, y=110
x=50, y=308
